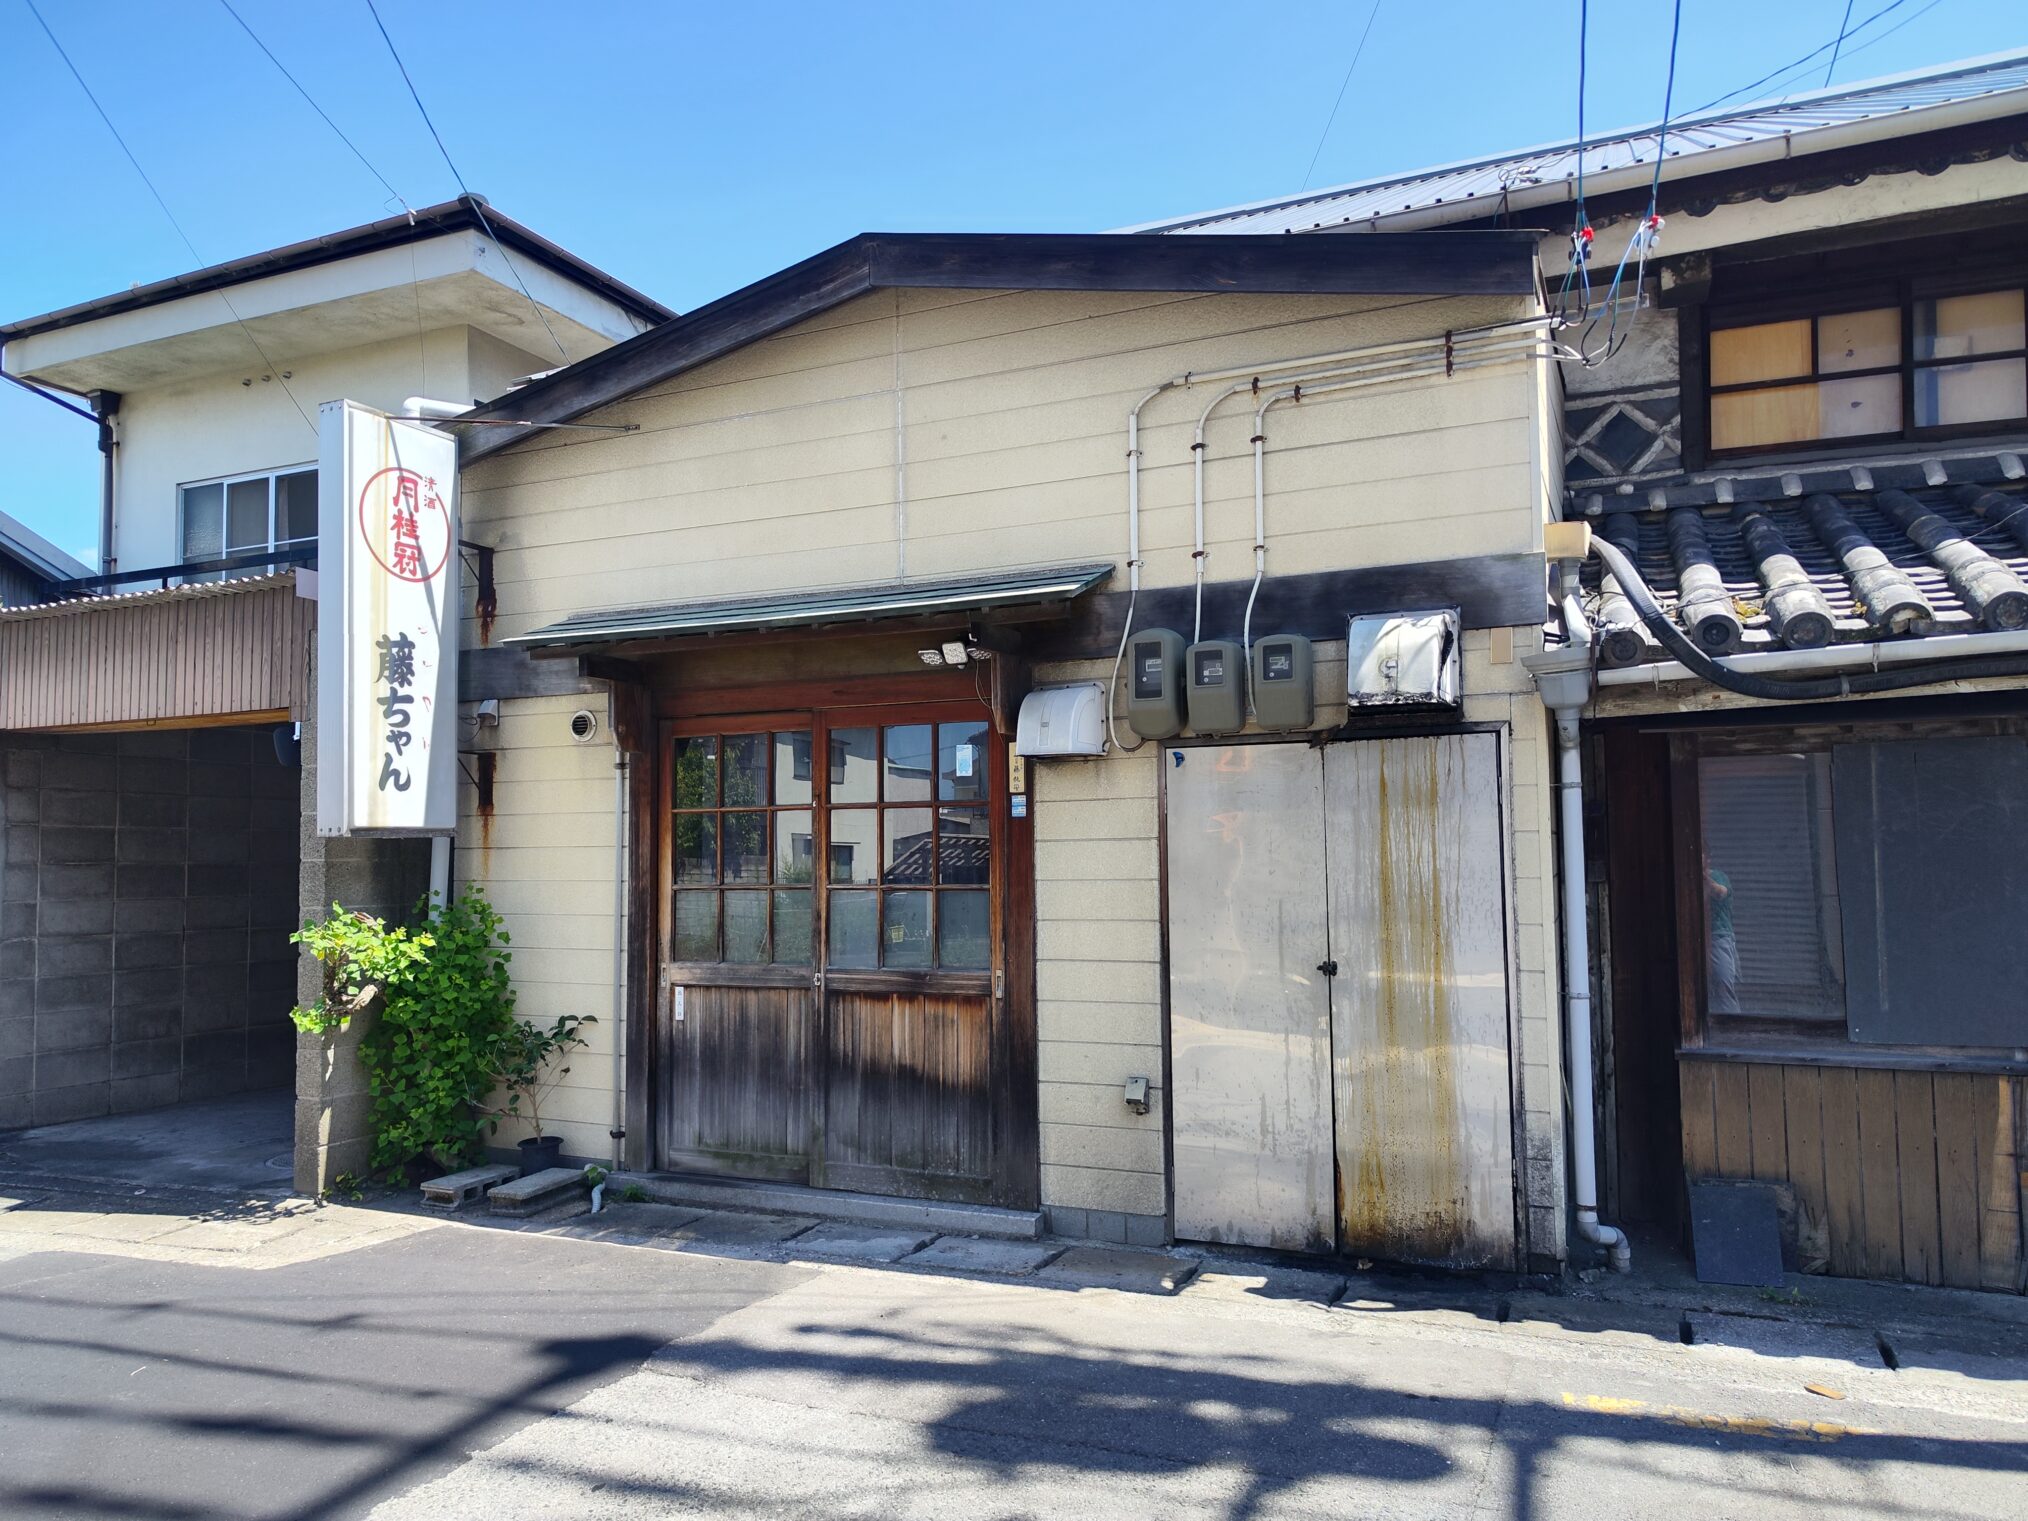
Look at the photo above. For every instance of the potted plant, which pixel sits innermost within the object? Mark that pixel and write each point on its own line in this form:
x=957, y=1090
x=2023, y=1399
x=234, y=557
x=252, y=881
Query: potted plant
x=520, y=1066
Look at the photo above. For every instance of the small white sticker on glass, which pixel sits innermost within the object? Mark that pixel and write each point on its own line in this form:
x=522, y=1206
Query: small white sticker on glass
x=964, y=760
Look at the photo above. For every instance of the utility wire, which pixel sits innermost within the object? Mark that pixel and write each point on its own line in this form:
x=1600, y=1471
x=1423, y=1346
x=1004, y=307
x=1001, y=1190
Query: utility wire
x=1806, y=59
x=476, y=204
x=35, y=390
x=1791, y=76
x=157, y=194
x=1332, y=119
x=311, y=102
x=1844, y=29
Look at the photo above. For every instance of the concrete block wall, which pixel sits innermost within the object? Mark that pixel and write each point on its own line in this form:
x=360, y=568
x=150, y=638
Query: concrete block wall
x=146, y=887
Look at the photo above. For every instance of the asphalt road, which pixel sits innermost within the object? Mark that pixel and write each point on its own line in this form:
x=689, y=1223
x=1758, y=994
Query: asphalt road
x=460, y=1372
x=143, y=1389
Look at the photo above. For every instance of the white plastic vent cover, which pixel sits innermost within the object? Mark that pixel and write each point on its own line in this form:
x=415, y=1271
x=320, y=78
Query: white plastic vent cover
x=1402, y=659
x=1067, y=720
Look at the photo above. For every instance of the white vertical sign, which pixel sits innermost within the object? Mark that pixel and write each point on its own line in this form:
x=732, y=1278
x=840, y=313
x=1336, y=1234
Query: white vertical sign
x=387, y=624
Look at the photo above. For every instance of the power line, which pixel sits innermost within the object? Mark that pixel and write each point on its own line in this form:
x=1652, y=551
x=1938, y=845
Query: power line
x=1330, y=121
x=476, y=204
x=1844, y=25
x=1792, y=75
x=1807, y=58
x=157, y=194
x=311, y=102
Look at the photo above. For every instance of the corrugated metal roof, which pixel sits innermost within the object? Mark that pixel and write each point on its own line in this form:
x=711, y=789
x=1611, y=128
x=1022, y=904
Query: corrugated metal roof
x=813, y=609
x=1547, y=174
x=189, y=592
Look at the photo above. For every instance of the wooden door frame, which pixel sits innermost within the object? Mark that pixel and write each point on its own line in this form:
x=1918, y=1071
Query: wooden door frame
x=1010, y=980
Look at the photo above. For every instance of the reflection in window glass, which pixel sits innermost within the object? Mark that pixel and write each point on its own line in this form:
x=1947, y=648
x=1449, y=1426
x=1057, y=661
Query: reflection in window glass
x=964, y=848
x=246, y=516
x=907, y=855
x=746, y=847
x=906, y=772
x=853, y=924
x=961, y=763
x=853, y=777
x=1994, y=391
x=697, y=771
x=792, y=767
x=696, y=847
x=964, y=940
x=795, y=847
x=792, y=927
x=696, y=933
x=906, y=940
x=746, y=770
x=1773, y=946
x=746, y=928
x=855, y=846
x=296, y=506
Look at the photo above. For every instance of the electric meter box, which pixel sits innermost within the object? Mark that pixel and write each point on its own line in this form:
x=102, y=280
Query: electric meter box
x=1155, y=700
x=1217, y=687
x=1402, y=660
x=1066, y=720
x=1284, y=682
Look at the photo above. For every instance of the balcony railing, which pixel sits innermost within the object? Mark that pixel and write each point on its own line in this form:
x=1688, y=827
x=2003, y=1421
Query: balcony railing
x=259, y=561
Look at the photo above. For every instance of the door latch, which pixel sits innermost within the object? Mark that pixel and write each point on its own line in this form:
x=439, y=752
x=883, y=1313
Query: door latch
x=1328, y=968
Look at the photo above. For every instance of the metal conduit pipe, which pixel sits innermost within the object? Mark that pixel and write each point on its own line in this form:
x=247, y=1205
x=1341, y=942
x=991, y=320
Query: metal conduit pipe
x=1436, y=349
x=1564, y=678
x=1504, y=352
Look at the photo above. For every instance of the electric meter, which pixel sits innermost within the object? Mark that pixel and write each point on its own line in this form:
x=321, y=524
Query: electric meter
x=1155, y=701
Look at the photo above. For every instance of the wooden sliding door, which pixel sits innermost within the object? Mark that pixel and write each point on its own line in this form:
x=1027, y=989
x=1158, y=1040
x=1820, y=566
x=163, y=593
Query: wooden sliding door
x=835, y=889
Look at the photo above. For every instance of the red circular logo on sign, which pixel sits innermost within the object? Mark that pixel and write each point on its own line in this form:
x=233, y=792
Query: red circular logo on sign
x=404, y=524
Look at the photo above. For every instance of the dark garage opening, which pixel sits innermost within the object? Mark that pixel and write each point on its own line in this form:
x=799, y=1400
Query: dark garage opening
x=148, y=887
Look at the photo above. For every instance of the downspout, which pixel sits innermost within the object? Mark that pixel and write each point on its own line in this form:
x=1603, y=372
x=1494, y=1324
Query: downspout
x=105, y=406
x=622, y=762
x=1564, y=678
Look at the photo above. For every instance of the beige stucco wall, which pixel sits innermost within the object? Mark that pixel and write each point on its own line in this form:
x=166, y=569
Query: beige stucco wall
x=935, y=433
x=220, y=424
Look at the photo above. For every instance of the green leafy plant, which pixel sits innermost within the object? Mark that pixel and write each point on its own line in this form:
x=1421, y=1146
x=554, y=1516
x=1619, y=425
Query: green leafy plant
x=429, y=1059
x=361, y=958
x=521, y=1065
x=633, y=1193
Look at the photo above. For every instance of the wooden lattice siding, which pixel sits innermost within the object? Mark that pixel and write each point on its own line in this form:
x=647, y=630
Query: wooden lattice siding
x=189, y=656
x=1902, y=1175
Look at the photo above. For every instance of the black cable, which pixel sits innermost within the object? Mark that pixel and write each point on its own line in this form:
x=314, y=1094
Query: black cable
x=1844, y=26
x=1789, y=688
x=311, y=102
x=36, y=390
x=472, y=200
x=1812, y=55
x=1332, y=119
x=74, y=74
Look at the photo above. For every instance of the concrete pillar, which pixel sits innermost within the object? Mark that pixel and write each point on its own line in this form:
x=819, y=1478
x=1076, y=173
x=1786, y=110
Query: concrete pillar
x=386, y=878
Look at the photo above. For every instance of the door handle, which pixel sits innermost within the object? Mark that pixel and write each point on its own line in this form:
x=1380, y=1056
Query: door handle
x=1328, y=968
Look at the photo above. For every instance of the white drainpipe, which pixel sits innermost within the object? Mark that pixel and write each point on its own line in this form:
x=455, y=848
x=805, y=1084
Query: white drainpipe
x=1564, y=678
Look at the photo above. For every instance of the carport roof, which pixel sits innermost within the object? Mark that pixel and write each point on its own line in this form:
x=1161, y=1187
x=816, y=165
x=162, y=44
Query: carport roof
x=1033, y=588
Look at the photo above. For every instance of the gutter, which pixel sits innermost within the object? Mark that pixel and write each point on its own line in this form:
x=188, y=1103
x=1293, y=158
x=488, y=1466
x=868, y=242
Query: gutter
x=1832, y=658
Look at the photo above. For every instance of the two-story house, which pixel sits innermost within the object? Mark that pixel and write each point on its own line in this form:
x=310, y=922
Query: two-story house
x=156, y=854
x=1804, y=841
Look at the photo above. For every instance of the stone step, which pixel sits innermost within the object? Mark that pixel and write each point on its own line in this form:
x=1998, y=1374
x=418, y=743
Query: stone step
x=538, y=1191
x=863, y=1209
x=456, y=1190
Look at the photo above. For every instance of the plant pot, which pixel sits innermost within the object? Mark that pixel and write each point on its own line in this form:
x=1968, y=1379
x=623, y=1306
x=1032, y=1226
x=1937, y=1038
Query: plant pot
x=540, y=1152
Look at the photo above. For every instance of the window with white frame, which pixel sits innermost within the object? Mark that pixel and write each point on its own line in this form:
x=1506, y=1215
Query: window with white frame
x=275, y=511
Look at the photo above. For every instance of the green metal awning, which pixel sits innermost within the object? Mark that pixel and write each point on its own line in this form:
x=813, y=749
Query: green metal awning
x=1000, y=591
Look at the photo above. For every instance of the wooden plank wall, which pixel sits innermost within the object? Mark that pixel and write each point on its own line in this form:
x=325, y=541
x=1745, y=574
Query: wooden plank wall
x=1913, y=1176
x=221, y=652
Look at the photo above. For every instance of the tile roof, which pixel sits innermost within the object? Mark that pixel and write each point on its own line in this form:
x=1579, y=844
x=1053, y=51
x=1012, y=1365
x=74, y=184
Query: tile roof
x=1895, y=106
x=1996, y=525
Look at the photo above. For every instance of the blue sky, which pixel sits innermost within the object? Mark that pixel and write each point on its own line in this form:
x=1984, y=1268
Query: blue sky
x=689, y=148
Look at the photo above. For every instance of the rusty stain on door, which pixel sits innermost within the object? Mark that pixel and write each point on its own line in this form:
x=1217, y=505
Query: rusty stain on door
x=1419, y=1010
